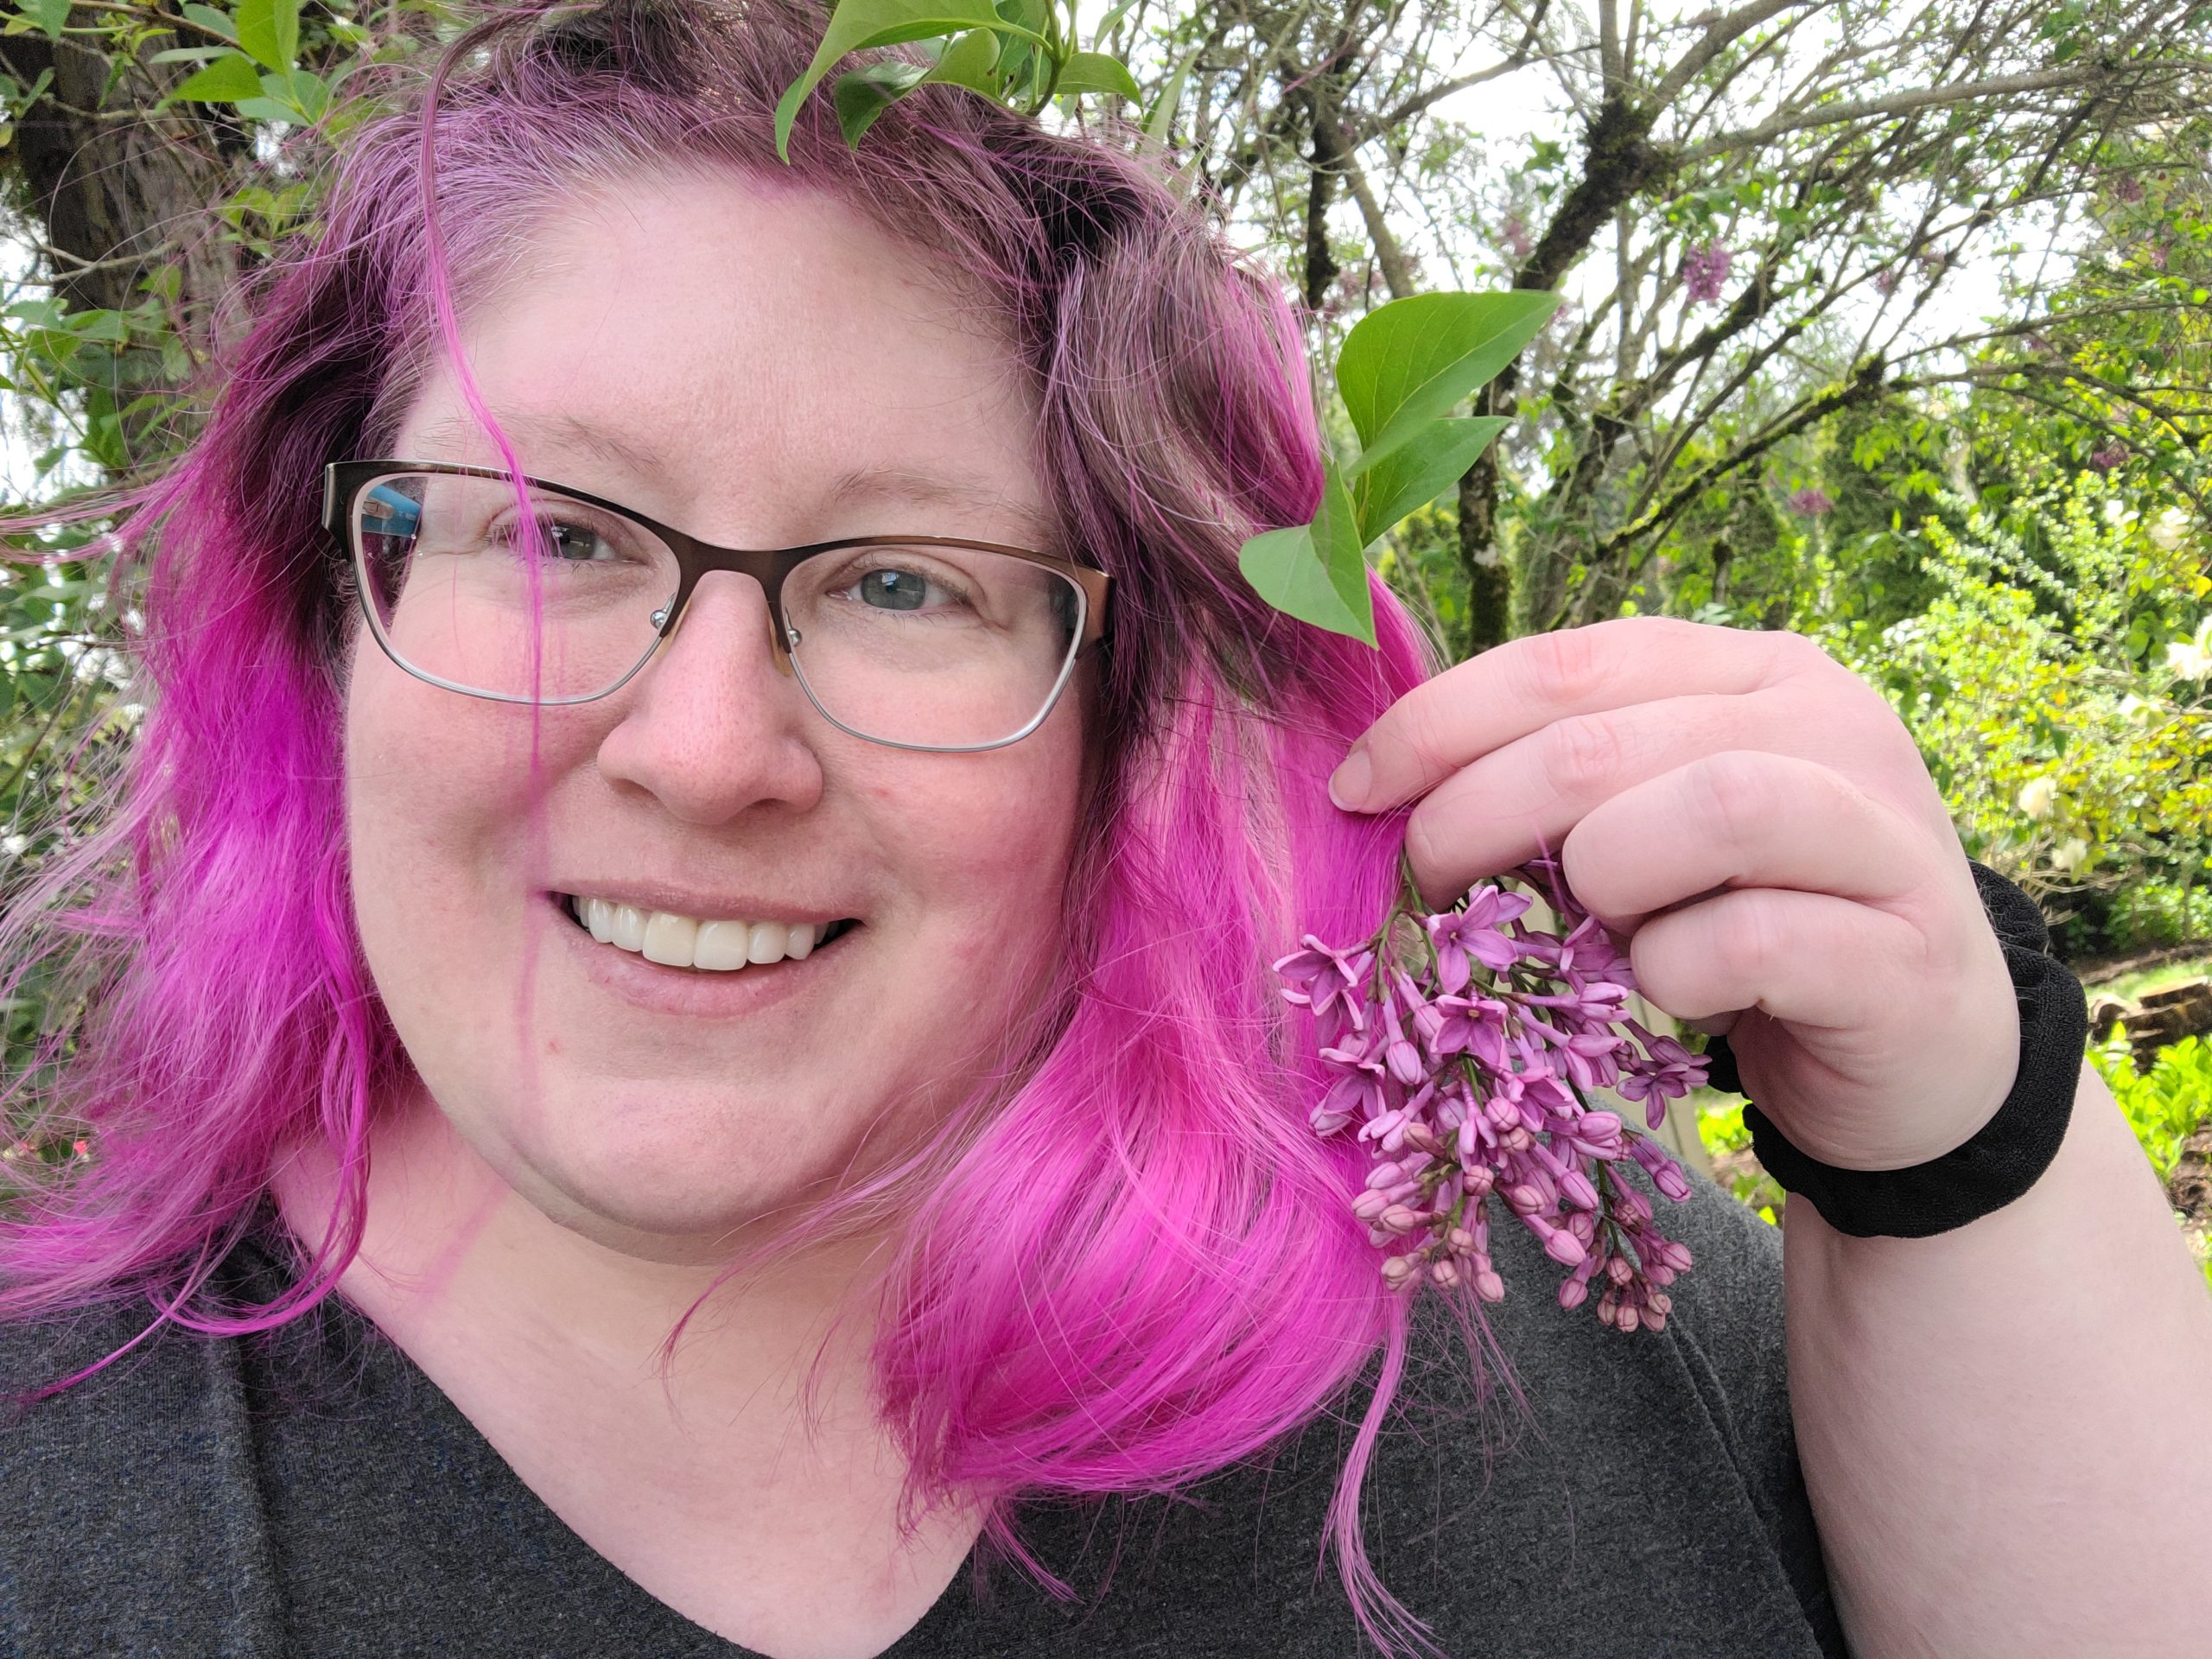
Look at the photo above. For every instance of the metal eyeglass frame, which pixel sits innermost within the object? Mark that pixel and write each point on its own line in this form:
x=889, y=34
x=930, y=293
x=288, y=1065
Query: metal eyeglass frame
x=344, y=480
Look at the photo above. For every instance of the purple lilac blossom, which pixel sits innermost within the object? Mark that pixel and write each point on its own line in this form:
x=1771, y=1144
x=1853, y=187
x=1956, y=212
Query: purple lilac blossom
x=1705, y=271
x=1462, y=1044
x=1811, y=502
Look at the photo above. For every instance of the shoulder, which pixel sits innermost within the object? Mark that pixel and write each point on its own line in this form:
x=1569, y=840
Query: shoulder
x=129, y=1516
x=1562, y=1487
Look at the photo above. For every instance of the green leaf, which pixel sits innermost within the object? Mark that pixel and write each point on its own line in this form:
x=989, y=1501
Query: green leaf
x=1316, y=572
x=188, y=54
x=209, y=18
x=269, y=108
x=1420, y=469
x=858, y=24
x=1160, y=119
x=1094, y=72
x=227, y=80
x=1406, y=363
x=301, y=92
x=970, y=61
x=860, y=95
x=269, y=29
x=50, y=17
x=110, y=327
x=1110, y=22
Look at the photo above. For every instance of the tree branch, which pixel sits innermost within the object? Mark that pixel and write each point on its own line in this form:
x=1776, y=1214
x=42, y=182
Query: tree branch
x=1924, y=97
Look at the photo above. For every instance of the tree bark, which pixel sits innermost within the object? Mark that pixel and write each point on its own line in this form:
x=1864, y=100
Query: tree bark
x=1621, y=161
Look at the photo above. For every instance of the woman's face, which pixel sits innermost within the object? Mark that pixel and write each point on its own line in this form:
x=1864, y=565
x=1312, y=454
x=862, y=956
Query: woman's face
x=759, y=367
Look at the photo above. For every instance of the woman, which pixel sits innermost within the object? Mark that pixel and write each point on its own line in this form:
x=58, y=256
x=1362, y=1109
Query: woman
x=475, y=1257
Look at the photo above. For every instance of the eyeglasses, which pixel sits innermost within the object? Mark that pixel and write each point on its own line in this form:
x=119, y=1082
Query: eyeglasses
x=919, y=642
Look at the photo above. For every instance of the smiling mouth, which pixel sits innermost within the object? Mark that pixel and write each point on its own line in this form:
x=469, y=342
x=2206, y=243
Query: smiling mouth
x=706, y=947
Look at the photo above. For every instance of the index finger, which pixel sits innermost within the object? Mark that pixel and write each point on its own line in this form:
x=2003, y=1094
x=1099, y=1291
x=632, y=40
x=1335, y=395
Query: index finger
x=1525, y=684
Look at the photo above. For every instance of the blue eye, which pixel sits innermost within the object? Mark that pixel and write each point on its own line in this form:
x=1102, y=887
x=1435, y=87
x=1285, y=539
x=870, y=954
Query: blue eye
x=895, y=590
x=578, y=544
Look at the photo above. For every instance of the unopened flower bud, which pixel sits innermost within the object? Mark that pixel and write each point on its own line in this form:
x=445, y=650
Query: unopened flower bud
x=1654, y=1321
x=1419, y=1136
x=1626, y=1319
x=1404, y=1061
x=1660, y=1302
x=1572, y=1292
x=1398, y=1271
x=1369, y=1204
x=1489, y=1287
x=1670, y=1181
x=1563, y=1247
x=1478, y=1178
x=1385, y=1175
x=1459, y=1241
x=1575, y=1188
x=1443, y=1271
x=1618, y=1270
x=1399, y=1219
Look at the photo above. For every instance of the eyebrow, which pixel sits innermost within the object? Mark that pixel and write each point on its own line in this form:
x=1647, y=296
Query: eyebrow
x=865, y=485
x=911, y=487
x=558, y=431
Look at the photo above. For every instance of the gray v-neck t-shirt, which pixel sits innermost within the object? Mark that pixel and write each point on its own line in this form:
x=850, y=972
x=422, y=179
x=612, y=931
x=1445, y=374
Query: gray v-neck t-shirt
x=314, y=1494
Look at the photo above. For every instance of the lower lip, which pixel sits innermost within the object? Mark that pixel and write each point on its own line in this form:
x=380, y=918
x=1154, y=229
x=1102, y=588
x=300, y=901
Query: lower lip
x=698, y=991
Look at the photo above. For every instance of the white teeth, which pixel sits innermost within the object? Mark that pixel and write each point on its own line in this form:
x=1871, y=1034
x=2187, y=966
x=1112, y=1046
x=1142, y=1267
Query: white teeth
x=668, y=939
x=683, y=942
x=721, y=946
x=629, y=928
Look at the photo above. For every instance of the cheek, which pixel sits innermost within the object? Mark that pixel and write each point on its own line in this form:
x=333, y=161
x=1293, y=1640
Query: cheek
x=985, y=851
x=438, y=804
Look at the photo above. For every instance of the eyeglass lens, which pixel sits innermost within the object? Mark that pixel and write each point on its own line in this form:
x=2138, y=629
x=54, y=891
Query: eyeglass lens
x=948, y=647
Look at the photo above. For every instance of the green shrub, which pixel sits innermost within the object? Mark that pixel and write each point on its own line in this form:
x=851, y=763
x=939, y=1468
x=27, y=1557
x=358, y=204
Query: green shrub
x=2159, y=913
x=2165, y=1105
x=1721, y=1126
x=2057, y=686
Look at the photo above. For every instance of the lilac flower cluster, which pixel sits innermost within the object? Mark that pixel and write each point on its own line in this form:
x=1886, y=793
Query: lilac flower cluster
x=1467, y=1089
x=1705, y=271
x=1811, y=502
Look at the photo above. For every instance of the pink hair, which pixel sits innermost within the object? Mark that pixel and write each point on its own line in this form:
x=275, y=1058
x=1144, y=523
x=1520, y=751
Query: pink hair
x=1139, y=1264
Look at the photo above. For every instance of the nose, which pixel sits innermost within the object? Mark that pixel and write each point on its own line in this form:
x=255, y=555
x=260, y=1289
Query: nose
x=709, y=726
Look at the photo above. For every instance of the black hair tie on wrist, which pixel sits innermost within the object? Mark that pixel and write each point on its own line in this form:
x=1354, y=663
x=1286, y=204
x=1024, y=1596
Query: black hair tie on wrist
x=2014, y=1149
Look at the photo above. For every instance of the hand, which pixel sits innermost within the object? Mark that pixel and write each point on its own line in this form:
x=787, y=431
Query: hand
x=1757, y=823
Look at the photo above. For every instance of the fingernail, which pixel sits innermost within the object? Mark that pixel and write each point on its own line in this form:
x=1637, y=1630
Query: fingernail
x=1348, y=784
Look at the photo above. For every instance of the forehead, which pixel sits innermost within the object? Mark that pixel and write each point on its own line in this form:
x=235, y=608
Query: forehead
x=724, y=350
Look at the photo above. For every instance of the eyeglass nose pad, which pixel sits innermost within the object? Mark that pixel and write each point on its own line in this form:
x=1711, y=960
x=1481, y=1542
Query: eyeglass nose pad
x=779, y=646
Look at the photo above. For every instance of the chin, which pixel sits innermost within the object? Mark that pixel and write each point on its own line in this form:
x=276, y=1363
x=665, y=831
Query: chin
x=670, y=1188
